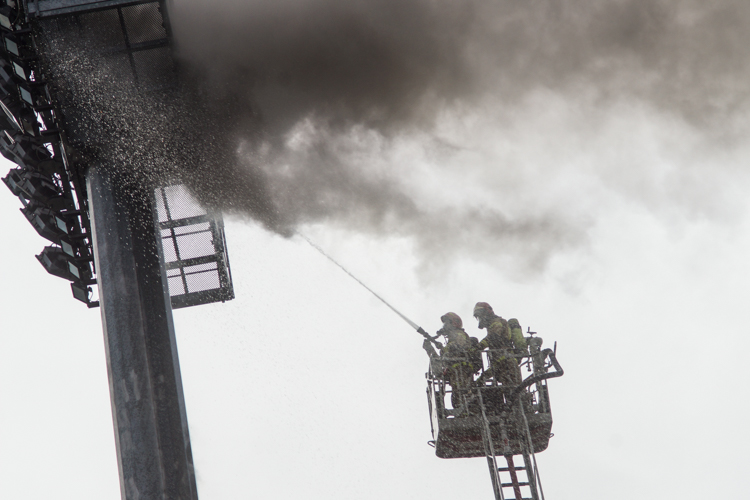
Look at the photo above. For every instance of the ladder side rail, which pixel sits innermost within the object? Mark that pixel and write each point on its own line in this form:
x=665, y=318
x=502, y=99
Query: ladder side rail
x=529, y=458
x=528, y=466
x=489, y=451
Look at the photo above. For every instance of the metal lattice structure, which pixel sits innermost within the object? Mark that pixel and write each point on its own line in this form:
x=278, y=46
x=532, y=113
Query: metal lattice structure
x=89, y=96
x=54, y=48
x=194, y=250
x=55, y=8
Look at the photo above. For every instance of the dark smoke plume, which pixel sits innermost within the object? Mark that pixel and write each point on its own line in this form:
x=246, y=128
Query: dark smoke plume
x=390, y=63
x=486, y=127
x=340, y=85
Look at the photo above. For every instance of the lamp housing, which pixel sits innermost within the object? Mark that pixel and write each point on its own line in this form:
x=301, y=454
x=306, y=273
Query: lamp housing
x=20, y=117
x=9, y=16
x=23, y=71
x=19, y=44
x=83, y=293
x=31, y=95
x=29, y=151
x=7, y=78
x=58, y=263
x=55, y=226
x=34, y=186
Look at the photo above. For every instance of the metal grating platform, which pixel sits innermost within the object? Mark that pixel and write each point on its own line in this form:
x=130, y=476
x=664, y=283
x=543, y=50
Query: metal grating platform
x=194, y=249
x=52, y=8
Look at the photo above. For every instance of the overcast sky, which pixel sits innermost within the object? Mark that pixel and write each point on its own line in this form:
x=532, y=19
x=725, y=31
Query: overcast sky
x=609, y=214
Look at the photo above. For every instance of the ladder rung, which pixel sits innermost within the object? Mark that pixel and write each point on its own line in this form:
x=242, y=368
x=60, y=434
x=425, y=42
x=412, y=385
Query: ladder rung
x=505, y=469
x=508, y=485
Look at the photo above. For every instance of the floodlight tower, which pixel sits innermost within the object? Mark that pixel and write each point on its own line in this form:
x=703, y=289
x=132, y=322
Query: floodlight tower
x=89, y=188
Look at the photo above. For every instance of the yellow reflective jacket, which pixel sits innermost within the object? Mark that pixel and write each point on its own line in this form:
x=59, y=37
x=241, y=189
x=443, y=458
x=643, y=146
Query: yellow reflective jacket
x=458, y=346
x=500, y=336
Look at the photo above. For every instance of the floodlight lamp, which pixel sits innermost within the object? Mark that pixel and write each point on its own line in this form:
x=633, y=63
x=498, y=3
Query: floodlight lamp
x=49, y=224
x=18, y=45
x=5, y=122
x=22, y=70
x=75, y=269
x=6, y=13
x=20, y=117
x=6, y=75
x=7, y=153
x=14, y=181
x=27, y=94
x=31, y=146
x=13, y=110
x=68, y=247
x=30, y=125
x=56, y=262
x=6, y=140
x=37, y=187
x=29, y=150
x=83, y=293
x=11, y=45
x=7, y=149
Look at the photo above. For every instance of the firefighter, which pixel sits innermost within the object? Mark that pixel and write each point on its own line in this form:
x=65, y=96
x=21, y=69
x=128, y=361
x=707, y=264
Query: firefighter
x=456, y=358
x=504, y=340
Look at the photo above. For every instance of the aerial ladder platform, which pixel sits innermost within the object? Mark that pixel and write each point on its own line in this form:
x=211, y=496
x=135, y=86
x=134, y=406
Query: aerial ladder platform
x=507, y=424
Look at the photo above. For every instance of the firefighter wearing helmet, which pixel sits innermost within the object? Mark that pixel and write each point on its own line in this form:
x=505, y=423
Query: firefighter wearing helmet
x=504, y=339
x=455, y=357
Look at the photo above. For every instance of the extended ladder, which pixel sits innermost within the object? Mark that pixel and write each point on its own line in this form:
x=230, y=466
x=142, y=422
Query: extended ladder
x=530, y=485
